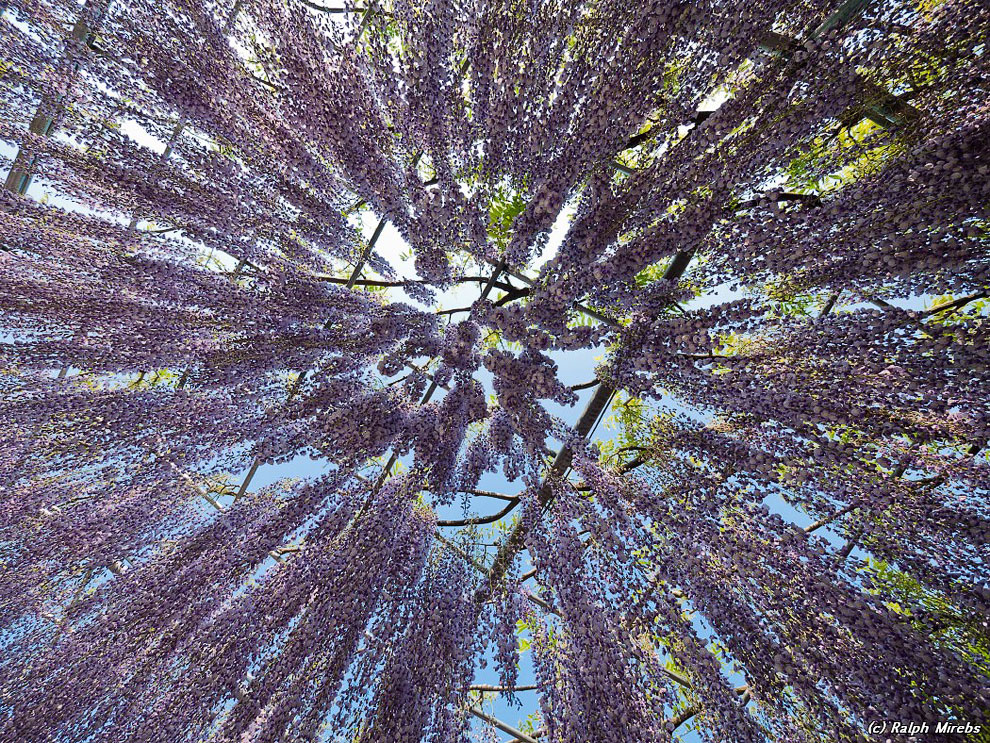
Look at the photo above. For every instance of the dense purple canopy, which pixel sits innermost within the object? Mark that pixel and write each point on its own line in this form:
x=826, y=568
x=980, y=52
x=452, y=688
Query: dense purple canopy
x=769, y=220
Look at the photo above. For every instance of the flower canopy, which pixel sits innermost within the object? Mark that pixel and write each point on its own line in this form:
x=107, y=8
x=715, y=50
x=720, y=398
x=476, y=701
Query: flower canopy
x=291, y=293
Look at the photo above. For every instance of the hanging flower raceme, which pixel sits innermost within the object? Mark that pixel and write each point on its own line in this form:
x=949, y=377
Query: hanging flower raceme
x=591, y=655
x=422, y=686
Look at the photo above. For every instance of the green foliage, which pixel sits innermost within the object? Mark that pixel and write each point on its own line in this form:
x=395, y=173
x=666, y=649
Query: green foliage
x=531, y=723
x=938, y=618
x=506, y=205
x=580, y=319
x=494, y=339
x=630, y=414
x=384, y=28
x=650, y=274
x=525, y=643
x=655, y=272
x=798, y=305
x=976, y=308
x=832, y=161
x=785, y=298
x=629, y=417
x=933, y=614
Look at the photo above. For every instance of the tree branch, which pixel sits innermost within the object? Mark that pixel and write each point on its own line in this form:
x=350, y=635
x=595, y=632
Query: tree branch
x=538, y=733
x=690, y=711
x=707, y=356
x=585, y=385
x=512, y=296
x=324, y=9
x=829, y=519
x=829, y=304
x=492, y=494
x=481, y=519
x=386, y=284
x=955, y=304
x=503, y=689
x=683, y=716
x=505, y=728
x=515, y=542
x=811, y=199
